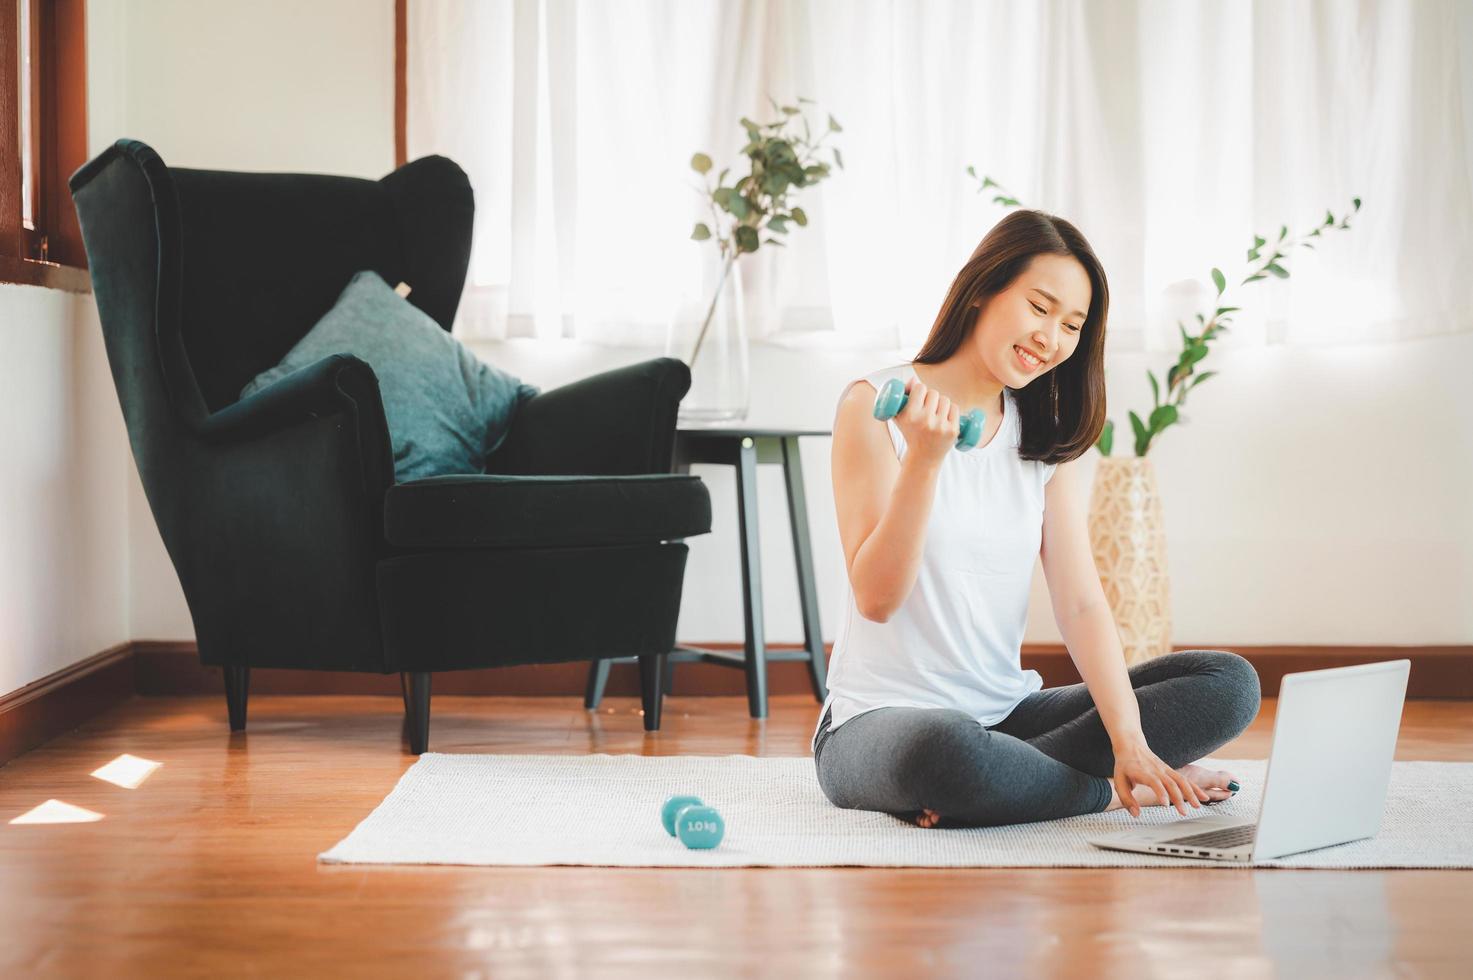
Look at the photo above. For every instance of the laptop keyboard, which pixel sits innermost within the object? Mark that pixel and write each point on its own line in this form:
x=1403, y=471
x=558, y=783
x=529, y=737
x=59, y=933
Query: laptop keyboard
x=1228, y=837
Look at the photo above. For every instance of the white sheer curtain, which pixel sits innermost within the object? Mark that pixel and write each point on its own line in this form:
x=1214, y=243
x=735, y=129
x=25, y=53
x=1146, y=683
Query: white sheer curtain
x=1170, y=132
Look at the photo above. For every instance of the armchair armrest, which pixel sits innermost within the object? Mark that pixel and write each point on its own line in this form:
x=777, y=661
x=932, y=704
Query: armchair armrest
x=337, y=384
x=318, y=389
x=284, y=494
x=617, y=422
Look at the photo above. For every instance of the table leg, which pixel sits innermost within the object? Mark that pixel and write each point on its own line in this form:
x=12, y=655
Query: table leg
x=679, y=465
x=598, y=677
x=756, y=647
x=803, y=555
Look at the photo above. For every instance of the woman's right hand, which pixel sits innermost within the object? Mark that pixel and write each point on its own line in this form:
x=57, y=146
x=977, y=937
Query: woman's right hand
x=929, y=421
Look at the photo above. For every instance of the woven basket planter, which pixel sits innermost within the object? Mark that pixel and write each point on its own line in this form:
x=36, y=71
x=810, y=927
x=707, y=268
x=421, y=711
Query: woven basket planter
x=1127, y=534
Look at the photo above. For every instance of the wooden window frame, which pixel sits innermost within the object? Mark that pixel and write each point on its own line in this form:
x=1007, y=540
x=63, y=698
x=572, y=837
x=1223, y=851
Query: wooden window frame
x=401, y=70
x=50, y=254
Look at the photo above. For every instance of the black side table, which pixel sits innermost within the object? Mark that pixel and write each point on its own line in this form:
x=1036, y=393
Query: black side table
x=744, y=448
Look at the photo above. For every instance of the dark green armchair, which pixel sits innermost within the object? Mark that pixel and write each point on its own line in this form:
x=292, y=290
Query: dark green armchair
x=293, y=544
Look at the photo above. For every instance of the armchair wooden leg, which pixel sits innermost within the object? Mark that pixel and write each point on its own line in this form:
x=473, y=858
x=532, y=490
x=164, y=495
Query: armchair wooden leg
x=237, y=687
x=417, y=711
x=598, y=677
x=651, y=688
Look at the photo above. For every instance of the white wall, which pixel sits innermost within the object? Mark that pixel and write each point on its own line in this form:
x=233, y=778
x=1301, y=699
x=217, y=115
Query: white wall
x=64, y=499
x=1317, y=496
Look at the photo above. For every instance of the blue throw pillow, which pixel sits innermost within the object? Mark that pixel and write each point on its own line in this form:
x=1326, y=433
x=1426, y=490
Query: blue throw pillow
x=447, y=410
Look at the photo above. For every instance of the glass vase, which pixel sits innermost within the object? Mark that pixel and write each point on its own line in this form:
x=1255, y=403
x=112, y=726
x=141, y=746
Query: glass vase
x=714, y=317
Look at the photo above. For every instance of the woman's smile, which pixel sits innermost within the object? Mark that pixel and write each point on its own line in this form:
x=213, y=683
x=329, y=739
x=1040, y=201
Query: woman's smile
x=1028, y=361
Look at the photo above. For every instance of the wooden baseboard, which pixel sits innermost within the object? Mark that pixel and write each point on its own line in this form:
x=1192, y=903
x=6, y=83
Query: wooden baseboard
x=69, y=697
x=64, y=700
x=173, y=667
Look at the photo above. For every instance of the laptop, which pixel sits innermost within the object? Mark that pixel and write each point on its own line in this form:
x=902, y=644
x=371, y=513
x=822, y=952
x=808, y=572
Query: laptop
x=1326, y=779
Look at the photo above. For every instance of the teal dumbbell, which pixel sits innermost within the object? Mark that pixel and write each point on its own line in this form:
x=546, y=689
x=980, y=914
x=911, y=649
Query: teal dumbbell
x=673, y=806
x=698, y=826
x=892, y=398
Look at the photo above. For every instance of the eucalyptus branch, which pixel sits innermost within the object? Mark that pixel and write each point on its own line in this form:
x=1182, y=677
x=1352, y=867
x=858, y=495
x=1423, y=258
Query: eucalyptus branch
x=759, y=201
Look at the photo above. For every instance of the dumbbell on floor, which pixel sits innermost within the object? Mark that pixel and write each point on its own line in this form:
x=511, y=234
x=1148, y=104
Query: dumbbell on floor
x=892, y=398
x=698, y=826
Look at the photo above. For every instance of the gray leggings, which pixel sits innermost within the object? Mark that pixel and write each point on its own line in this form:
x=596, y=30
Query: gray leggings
x=1049, y=758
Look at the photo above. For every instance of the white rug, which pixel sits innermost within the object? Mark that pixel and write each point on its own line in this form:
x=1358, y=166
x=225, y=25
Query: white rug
x=605, y=810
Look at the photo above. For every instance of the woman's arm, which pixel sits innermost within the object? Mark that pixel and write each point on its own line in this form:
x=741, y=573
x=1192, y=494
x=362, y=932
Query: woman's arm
x=883, y=506
x=1080, y=607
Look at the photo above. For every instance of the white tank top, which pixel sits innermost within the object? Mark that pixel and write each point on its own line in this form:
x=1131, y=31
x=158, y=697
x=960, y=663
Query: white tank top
x=956, y=640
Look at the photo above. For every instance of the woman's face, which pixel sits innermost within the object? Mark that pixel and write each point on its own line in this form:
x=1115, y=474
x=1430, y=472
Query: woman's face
x=1042, y=312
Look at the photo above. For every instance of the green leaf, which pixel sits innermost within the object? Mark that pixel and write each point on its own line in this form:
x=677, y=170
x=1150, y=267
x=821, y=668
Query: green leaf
x=1107, y=438
x=723, y=176
x=738, y=206
x=789, y=110
x=778, y=225
x=800, y=216
x=834, y=126
x=774, y=241
x=1252, y=278
x=1200, y=378
x=1284, y=230
x=746, y=239
x=1195, y=354
x=1258, y=242
x=1008, y=202
x=1141, y=438
x=700, y=163
x=1278, y=270
x=1357, y=203
x=972, y=171
x=1226, y=309
x=1253, y=255
x=809, y=101
x=701, y=232
x=989, y=182
x=838, y=158
x=722, y=195
x=1329, y=218
x=1217, y=277
x=1307, y=245
x=1155, y=388
x=1162, y=417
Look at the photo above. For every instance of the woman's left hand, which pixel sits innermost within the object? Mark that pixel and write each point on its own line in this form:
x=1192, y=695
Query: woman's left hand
x=1136, y=764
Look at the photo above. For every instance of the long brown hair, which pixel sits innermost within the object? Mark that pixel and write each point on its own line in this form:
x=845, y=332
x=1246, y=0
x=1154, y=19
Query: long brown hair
x=1062, y=419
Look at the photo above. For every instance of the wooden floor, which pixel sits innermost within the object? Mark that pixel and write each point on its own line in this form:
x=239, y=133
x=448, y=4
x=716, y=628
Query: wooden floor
x=209, y=869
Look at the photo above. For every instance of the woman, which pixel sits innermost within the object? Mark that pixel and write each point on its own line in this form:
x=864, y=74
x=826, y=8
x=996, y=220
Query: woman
x=929, y=714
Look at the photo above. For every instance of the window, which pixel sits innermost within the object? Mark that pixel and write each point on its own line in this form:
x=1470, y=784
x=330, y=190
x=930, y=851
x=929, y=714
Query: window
x=43, y=140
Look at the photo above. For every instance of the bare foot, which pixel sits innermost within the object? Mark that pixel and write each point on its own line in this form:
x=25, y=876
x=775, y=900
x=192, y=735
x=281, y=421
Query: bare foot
x=1212, y=786
x=928, y=819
